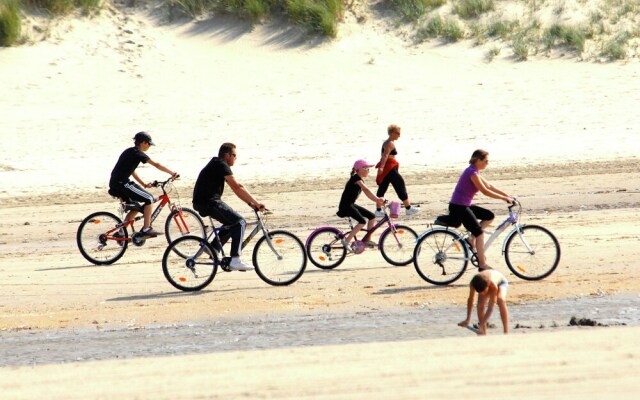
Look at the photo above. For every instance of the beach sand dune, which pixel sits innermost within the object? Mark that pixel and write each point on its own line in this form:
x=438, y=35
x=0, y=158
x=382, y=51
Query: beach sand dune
x=562, y=137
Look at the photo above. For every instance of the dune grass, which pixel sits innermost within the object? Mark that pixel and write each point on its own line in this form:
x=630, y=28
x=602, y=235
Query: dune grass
x=11, y=19
x=467, y=9
x=62, y=7
x=10, y=24
x=316, y=16
x=446, y=29
x=412, y=10
x=608, y=30
x=616, y=48
x=572, y=37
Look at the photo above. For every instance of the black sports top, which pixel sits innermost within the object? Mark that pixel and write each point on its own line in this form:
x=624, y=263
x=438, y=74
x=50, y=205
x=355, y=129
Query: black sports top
x=210, y=183
x=127, y=163
x=393, y=152
x=351, y=192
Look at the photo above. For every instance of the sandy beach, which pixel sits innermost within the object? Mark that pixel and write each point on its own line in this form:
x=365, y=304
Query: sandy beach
x=562, y=136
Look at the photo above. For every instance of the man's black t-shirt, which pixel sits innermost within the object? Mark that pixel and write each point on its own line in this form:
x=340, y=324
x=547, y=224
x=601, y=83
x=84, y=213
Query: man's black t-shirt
x=127, y=163
x=351, y=192
x=210, y=183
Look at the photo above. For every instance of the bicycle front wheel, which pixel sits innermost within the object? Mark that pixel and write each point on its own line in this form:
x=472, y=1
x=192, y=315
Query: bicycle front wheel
x=193, y=267
x=279, y=259
x=440, y=258
x=325, y=249
x=182, y=222
x=95, y=241
x=532, y=253
x=396, y=245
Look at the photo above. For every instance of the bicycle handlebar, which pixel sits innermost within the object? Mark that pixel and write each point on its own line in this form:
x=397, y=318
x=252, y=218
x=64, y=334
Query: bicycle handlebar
x=256, y=209
x=514, y=203
x=163, y=183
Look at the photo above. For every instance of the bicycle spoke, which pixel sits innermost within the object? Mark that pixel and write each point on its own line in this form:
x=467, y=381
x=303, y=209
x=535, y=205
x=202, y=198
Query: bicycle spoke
x=279, y=258
x=533, y=253
x=397, y=245
x=324, y=248
x=440, y=258
x=191, y=268
x=98, y=240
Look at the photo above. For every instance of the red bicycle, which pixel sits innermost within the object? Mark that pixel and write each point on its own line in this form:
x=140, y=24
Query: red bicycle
x=103, y=237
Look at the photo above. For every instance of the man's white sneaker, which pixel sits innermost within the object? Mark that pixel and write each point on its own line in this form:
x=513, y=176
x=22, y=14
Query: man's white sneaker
x=379, y=214
x=413, y=210
x=237, y=265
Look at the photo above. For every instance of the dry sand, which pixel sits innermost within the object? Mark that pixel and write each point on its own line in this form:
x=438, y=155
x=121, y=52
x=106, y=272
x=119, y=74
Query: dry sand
x=563, y=138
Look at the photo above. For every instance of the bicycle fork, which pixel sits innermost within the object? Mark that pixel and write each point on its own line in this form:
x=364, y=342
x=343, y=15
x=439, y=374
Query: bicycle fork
x=270, y=243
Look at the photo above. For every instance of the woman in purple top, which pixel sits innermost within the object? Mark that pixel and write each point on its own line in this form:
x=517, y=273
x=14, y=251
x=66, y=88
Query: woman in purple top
x=461, y=211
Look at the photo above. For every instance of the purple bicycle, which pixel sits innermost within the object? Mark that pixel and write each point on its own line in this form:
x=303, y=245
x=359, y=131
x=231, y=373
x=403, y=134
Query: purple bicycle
x=325, y=249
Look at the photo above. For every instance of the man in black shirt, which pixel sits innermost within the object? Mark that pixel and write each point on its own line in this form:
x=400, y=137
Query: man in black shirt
x=121, y=186
x=207, y=200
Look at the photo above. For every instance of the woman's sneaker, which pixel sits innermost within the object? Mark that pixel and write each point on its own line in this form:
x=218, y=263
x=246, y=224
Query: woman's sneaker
x=236, y=264
x=379, y=214
x=413, y=210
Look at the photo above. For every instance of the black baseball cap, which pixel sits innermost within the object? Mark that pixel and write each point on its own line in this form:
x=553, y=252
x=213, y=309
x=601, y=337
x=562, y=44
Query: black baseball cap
x=143, y=137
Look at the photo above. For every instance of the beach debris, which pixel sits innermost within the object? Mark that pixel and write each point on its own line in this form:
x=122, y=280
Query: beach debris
x=574, y=321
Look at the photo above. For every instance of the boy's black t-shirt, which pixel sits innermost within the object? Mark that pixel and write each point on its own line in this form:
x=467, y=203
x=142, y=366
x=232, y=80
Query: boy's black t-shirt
x=210, y=183
x=127, y=163
x=351, y=192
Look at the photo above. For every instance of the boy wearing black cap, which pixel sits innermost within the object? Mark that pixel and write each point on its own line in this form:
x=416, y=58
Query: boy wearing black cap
x=121, y=186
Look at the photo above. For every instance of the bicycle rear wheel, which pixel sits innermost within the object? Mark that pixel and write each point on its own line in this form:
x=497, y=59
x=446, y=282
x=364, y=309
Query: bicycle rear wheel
x=193, y=267
x=440, y=258
x=95, y=244
x=396, y=245
x=182, y=222
x=532, y=255
x=325, y=249
x=283, y=263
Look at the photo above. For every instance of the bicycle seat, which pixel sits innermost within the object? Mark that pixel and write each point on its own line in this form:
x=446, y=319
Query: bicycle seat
x=131, y=206
x=341, y=214
x=446, y=220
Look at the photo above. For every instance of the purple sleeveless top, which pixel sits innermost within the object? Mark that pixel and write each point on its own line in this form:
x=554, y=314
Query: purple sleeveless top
x=465, y=189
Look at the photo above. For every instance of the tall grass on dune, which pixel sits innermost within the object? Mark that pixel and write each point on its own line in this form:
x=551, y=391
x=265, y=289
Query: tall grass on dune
x=467, y=9
x=573, y=37
x=412, y=10
x=616, y=48
x=446, y=29
x=55, y=7
x=62, y=7
x=10, y=25
x=316, y=16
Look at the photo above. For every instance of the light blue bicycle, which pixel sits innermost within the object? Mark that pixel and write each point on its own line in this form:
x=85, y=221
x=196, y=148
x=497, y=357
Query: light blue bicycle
x=279, y=257
x=442, y=253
